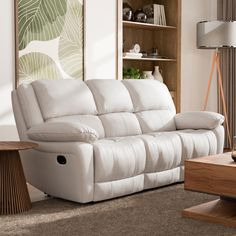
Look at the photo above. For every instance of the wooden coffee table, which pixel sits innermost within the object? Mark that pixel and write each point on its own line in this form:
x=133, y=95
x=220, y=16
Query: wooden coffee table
x=14, y=196
x=214, y=175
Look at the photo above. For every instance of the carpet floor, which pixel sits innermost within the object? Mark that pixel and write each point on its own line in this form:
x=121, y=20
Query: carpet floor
x=155, y=212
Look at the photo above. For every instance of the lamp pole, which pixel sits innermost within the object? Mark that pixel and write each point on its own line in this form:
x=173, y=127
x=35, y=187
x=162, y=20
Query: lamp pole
x=216, y=63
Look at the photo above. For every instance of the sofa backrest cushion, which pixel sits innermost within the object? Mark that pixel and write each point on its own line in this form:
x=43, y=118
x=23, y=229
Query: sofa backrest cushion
x=156, y=120
x=153, y=105
x=111, y=107
x=149, y=95
x=29, y=105
x=110, y=96
x=120, y=124
x=64, y=97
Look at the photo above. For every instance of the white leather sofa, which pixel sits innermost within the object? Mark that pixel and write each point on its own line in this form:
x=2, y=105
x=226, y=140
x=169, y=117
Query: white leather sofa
x=102, y=139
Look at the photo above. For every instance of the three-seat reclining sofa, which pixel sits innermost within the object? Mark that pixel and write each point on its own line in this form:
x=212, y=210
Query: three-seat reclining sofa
x=102, y=139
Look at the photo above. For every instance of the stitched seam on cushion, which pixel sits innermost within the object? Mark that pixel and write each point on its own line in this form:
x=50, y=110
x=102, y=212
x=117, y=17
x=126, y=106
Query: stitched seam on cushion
x=107, y=181
x=37, y=99
x=20, y=107
x=112, y=193
x=157, y=172
x=133, y=185
x=62, y=134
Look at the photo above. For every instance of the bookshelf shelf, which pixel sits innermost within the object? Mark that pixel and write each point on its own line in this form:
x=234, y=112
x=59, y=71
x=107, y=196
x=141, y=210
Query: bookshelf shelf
x=131, y=24
x=149, y=59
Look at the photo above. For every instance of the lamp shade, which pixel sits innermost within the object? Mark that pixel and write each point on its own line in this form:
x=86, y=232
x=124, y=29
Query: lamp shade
x=216, y=34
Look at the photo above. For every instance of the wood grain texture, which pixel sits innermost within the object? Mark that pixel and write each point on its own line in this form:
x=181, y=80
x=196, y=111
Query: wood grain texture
x=217, y=211
x=10, y=146
x=213, y=174
x=14, y=196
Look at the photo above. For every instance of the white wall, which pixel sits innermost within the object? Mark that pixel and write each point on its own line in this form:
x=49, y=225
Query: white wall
x=196, y=63
x=7, y=123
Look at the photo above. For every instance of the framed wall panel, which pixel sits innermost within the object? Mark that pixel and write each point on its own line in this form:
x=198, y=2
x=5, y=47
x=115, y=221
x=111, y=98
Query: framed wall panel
x=49, y=39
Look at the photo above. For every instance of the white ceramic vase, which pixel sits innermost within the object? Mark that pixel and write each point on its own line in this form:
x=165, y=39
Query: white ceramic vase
x=157, y=74
x=147, y=75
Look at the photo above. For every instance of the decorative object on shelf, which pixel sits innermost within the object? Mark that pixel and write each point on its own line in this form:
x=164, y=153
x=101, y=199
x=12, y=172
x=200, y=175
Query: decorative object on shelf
x=144, y=53
x=233, y=154
x=127, y=12
x=135, y=48
x=49, y=40
x=154, y=53
x=147, y=75
x=132, y=55
x=140, y=16
x=134, y=52
x=155, y=14
x=157, y=74
x=131, y=73
x=149, y=10
x=215, y=35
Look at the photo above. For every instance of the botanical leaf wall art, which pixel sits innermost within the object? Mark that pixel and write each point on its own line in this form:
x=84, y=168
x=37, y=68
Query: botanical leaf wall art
x=49, y=40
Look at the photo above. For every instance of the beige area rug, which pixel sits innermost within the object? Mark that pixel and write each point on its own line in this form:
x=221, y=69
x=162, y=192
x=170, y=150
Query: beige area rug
x=155, y=212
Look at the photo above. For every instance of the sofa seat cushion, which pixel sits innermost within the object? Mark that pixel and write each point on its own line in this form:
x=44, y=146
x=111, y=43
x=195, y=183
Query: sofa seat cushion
x=117, y=188
x=164, y=151
x=91, y=121
x=197, y=143
x=118, y=158
x=159, y=179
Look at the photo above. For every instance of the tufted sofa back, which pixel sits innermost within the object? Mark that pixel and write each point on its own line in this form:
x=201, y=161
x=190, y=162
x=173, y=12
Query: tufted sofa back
x=113, y=108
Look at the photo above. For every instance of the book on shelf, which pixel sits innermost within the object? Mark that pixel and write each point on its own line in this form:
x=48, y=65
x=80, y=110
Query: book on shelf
x=163, y=16
x=132, y=55
x=155, y=14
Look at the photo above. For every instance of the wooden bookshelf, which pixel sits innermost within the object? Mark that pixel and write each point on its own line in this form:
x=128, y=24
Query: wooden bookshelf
x=166, y=38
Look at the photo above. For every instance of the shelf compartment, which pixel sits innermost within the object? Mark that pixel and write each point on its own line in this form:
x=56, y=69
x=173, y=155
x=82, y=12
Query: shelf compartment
x=138, y=25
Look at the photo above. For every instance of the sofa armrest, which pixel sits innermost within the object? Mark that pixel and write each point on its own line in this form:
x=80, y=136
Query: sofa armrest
x=62, y=132
x=198, y=120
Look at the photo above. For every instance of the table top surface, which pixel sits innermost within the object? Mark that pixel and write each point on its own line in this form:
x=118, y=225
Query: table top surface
x=224, y=159
x=16, y=145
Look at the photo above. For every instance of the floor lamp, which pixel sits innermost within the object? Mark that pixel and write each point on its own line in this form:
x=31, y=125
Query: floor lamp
x=215, y=35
